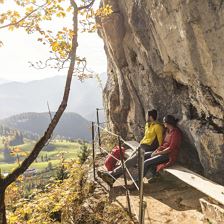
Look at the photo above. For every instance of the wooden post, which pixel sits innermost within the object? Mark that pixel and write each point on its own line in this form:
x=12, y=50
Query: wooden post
x=18, y=160
x=93, y=148
x=125, y=178
x=141, y=155
x=98, y=127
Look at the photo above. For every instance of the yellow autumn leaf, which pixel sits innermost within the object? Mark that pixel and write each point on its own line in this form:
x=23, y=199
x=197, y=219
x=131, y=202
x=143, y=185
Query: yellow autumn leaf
x=17, y=150
x=23, y=154
x=13, y=219
x=21, y=23
x=71, y=33
x=54, y=45
x=29, y=9
x=77, y=162
x=16, y=14
x=69, y=9
x=11, y=28
x=60, y=14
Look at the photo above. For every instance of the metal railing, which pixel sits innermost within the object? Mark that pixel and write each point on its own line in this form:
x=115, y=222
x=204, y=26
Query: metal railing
x=139, y=186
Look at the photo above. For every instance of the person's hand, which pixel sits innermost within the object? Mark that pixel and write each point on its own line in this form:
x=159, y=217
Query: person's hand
x=155, y=153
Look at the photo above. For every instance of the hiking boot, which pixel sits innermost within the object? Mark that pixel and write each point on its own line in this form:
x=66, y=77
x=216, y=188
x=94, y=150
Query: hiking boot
x=106, y=177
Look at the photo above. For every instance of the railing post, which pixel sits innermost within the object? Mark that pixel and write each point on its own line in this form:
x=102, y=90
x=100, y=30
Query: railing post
x=98, y=126
x=141, y=155
x=125, y=178
x=93, y=148
x=144, y=206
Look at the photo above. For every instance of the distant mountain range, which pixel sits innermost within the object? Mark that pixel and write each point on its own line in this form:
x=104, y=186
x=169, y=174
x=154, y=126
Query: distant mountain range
x=71, y=125
x=16, y=97
x=2, y=81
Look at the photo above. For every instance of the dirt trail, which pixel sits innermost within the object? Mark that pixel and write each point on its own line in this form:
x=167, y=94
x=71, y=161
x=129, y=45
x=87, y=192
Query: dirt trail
x=169, y=201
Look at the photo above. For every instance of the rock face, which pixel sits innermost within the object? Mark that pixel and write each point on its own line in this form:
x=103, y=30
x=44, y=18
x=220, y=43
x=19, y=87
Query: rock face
x=169, y=55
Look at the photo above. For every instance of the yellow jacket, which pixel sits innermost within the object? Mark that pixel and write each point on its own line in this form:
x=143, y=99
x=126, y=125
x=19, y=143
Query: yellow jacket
x=153, y=130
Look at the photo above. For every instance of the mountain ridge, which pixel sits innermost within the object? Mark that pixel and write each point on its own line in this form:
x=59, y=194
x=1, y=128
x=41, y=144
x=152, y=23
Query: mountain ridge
x=71, y=125
x=3, y=81
x=19, y=97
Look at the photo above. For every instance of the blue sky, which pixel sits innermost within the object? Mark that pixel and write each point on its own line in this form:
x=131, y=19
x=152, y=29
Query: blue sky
x=19, y=48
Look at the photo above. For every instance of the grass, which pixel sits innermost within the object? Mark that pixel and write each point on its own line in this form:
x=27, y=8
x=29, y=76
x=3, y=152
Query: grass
x=70, y=150
x=1, y=144
x=43, y=165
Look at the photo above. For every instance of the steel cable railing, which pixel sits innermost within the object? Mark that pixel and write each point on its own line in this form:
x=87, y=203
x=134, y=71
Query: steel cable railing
x=142, y=204
x=126, y=168
x=118, y=159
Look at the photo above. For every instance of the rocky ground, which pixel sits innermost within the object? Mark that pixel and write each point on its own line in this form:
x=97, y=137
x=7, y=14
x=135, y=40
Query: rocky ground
x=169, y=201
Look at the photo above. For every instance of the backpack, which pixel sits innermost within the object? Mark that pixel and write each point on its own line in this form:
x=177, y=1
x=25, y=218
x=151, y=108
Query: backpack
x=110, y=162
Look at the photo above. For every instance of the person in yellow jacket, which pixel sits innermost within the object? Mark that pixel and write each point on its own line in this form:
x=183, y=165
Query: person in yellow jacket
x=151, y=141
x=153, y=133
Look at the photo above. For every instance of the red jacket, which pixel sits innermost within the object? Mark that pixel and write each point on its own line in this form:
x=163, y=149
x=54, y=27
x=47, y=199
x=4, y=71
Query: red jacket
x=173, y=141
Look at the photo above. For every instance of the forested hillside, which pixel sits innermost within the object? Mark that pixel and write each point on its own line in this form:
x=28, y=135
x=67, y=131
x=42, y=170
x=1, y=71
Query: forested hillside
x=71, y=125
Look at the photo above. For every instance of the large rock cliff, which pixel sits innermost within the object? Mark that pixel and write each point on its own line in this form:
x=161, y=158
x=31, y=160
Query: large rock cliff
x=169, y=55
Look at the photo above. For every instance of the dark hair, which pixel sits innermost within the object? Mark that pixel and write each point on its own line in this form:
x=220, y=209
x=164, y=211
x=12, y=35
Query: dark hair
x=169, y=119
x=152, y=113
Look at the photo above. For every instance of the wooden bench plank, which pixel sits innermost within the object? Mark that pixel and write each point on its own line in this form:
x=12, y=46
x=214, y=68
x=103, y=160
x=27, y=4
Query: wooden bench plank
x=199, y=182
x=128, y=153
x=195, y=180
x=133, y=144
x=133, y=147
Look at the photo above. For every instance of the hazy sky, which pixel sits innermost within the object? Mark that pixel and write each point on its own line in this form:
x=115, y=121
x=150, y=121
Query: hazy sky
x=19, y=48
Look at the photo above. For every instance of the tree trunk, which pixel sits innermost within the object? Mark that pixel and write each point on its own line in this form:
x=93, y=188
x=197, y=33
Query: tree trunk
x=47, y=135
x=2, y=207
x=5, y=182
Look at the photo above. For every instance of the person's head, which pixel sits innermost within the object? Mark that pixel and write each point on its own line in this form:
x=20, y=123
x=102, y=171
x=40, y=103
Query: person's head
x=152, y=115
x=170, y=121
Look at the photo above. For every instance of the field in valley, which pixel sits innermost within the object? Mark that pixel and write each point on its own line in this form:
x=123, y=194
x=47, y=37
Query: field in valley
x=52, y=153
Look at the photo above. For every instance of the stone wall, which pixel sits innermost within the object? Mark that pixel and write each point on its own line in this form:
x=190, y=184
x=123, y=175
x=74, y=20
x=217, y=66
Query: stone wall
x=168, y=55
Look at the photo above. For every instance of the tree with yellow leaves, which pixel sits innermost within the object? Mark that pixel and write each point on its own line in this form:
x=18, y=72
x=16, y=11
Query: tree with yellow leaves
x=62, y=43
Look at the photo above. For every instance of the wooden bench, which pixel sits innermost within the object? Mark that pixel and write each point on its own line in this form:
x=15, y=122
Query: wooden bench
x=133, y=147
x=133, y=144
x=208, y=187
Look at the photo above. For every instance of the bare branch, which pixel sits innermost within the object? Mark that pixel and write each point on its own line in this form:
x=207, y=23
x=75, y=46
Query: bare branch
x=57, y=63
x=86, y=6
x=49, y=111
x=63, y=64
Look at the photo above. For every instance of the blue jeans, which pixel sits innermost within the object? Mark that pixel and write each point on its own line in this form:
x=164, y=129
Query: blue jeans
x=151, y=163
x=133, y=160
